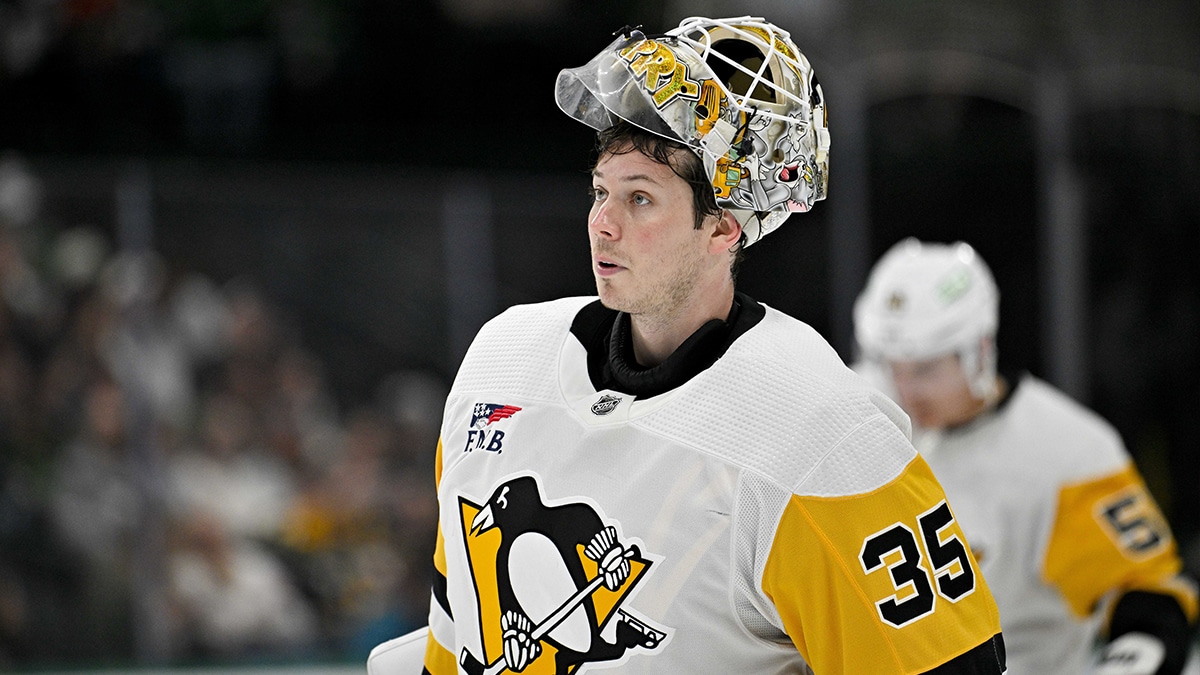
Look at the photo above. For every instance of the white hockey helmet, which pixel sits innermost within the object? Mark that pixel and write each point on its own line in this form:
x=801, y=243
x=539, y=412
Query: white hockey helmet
x=736, y=91
x=926, y=300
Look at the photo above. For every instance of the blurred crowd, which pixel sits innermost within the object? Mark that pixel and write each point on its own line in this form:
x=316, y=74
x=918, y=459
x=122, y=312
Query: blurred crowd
x=178, y=481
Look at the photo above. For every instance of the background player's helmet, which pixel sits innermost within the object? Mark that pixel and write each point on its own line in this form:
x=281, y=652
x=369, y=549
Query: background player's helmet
x=925, y=300
x=736, y=91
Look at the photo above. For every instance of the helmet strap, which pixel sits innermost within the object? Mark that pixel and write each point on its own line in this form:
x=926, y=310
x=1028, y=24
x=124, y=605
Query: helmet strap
x=979, y=365
x=745, y=147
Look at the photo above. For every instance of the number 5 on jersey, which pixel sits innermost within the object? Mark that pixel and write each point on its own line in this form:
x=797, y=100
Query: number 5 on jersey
x=917, y=564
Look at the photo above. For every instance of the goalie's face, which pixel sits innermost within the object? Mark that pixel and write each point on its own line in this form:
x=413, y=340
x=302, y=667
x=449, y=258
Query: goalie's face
x=935, y=392
x=648, y=257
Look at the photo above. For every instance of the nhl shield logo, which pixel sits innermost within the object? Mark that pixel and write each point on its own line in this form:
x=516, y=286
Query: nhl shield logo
x=606, y=404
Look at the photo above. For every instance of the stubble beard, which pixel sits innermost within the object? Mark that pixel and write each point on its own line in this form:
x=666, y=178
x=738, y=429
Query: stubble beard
x=657, y=304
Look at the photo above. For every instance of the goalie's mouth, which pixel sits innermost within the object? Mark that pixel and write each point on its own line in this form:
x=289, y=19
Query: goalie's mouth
x=606, y=267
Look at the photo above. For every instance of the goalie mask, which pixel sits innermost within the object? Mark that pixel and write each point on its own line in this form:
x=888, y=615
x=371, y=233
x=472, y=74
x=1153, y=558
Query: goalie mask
x=924, y=301
x=737, y=92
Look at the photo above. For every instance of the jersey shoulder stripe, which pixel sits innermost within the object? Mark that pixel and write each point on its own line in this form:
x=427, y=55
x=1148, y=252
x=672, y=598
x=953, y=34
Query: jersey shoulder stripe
x=1109, y=533
x=894, y=587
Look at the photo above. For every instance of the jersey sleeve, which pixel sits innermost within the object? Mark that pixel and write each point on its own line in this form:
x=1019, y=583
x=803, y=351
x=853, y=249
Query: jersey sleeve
x=439, y=657
x=882, y=581
x=1109, y=535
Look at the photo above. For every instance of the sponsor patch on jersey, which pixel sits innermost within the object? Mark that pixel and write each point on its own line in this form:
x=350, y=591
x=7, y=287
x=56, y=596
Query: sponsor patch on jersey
x=553, y=582
x=606, y=404
x=483, y=434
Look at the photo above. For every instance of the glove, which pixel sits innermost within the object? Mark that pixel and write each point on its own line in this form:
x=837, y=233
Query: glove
x=610, y=556
x=520, y=649
x=1132, y=654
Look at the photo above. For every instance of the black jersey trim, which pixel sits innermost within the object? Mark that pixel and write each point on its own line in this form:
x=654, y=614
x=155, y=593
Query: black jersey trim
x=1159, y=615
x=439, y=593
x=986, y=658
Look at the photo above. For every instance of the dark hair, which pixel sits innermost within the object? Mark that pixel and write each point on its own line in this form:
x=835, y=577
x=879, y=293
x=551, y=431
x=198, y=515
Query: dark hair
x=624, y=137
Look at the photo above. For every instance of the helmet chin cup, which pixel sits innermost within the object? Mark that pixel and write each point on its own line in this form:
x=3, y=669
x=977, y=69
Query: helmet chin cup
x=737, y=92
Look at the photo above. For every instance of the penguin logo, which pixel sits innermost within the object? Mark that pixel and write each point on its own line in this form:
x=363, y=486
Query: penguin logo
x=550, y=583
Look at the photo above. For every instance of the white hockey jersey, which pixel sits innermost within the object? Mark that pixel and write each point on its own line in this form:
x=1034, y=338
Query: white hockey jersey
x=1058, y=518
x=767, y=516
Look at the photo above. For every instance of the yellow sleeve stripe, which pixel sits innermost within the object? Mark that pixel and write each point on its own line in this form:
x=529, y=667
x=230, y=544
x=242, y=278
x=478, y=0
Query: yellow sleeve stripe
x=438, y=659
x=1108, y=534
x=437, y=464
x=834, y=566
x=854, y=580
x=439, y=551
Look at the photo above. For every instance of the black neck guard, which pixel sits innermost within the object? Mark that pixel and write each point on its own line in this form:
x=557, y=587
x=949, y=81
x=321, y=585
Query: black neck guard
x=608, y=339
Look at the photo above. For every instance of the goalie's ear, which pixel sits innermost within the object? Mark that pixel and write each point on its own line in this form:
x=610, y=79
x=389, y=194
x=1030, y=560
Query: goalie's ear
x=726, y=234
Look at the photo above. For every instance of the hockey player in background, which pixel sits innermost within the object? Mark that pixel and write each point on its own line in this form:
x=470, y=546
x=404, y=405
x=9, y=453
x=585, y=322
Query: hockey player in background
x=1071, y=542
x=673, y=477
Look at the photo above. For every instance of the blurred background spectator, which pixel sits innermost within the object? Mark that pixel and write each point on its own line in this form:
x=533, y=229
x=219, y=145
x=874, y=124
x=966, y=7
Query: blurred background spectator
x=180, y=482
x=232, y=599
x=243, y=243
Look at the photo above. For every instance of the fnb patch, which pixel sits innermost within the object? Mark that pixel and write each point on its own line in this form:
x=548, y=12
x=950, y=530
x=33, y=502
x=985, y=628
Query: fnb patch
x=482, y=435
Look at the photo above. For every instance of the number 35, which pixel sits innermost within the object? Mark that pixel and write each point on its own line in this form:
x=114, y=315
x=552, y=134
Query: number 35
x=917, y=564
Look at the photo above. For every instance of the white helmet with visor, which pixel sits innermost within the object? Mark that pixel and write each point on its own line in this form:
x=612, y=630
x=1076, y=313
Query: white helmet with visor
x=926, y=300
x=736, y=91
